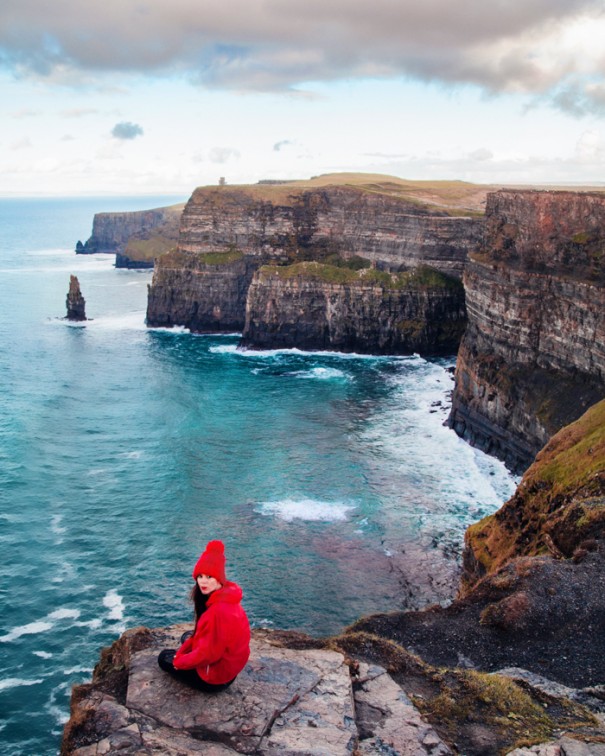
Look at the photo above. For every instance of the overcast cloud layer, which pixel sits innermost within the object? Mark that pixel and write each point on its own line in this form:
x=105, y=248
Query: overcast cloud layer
x=550, y=49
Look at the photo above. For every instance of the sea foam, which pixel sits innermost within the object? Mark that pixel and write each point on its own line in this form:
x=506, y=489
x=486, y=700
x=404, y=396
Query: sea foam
x=113, y=601
x=32, y=628
x=322, y=374
x=17, y=682
x=305, y=509
x=62, y=613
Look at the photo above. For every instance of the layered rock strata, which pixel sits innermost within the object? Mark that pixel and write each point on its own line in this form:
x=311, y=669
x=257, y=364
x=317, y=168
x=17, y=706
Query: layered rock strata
x=331, y=223
x=320, y=307
x=205, y=292
x=75, y=302
x=136, y=238
x=283, y=221
x=533, y=356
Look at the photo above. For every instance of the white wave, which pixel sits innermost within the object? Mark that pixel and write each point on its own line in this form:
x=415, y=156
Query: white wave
x=224, y=349
x=93, y=624
x=72, y=323
x=113, y=601
x=305, y=509
x=42, y=654
x=130, y=321
x=32, y=628
x=435, y=477
x=17, y=682
x=55, y=524
x=41, y=626
x=10, y=517
x=59, y=713
x=77, y=670
x=63, y=613
x=247, y=352
x=175, y=330
x=322, y=374
x=132, y=455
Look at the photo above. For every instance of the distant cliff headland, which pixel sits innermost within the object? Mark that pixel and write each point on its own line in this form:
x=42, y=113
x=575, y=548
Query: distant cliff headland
x=375, y=264
x=136, y=238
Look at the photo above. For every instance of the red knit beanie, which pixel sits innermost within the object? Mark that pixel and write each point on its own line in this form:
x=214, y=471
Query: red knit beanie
x=212, y=562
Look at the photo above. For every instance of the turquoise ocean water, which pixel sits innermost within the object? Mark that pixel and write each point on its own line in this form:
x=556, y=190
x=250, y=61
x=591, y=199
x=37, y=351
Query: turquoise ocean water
x=123, y=450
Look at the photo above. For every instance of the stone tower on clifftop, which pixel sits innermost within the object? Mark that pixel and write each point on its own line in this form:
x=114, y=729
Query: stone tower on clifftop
x=75, y=301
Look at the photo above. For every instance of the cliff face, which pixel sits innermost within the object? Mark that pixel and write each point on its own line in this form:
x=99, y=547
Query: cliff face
x=203, y=292
x=314, y=306
x=333, y=219
x=290, y=223
x=533, y=356
x=136, y=238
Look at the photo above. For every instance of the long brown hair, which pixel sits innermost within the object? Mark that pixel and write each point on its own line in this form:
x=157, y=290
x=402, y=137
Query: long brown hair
x=199, y=602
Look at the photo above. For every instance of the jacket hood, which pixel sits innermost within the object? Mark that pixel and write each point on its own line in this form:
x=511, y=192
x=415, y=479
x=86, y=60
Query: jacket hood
x=230, y=593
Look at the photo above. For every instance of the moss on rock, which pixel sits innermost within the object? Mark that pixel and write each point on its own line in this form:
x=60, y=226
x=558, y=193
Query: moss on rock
x=559, y=503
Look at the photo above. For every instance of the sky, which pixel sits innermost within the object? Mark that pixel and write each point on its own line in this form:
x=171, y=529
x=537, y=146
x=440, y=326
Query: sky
x=131, y=97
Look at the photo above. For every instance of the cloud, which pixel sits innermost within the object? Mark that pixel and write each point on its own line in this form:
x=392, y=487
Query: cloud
x=21, y=144
x=78, y=112
x=25, y=113
x=481, y=154
x=280, y=145
x=543, y=48
x=126, y=130
x=223, y=154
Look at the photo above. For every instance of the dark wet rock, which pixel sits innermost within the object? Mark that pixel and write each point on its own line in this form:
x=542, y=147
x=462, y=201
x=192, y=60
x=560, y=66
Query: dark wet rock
x=76, y=304
x=555, y=630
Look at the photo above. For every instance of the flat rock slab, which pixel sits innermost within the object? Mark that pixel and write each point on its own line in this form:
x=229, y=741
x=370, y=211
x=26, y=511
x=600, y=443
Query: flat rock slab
x=565, y=746
x=284, y=702
x=388, y=721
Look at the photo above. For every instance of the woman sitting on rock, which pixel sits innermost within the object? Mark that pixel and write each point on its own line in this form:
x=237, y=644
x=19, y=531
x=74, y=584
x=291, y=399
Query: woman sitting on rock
x=211, y=657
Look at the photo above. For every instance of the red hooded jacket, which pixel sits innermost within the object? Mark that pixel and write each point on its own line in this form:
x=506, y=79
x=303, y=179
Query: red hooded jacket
x=220, y=645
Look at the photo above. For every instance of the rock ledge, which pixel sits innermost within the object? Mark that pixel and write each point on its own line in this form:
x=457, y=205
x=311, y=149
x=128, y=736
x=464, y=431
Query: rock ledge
x=286, y=701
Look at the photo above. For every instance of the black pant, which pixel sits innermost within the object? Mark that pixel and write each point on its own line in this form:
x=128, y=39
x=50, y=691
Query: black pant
x=188, y=676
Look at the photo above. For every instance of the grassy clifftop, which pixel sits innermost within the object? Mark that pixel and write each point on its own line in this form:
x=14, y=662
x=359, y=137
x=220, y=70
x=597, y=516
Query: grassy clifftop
x=559, y=507
x=420, y=277
x=452, y=197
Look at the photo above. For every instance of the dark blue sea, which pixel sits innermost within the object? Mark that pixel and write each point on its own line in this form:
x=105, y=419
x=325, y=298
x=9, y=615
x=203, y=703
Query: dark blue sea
x=331, y=478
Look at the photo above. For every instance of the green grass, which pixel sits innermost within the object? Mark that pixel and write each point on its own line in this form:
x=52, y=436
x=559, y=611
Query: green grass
x=148, y=249
x=562, y=495
x=422, y=277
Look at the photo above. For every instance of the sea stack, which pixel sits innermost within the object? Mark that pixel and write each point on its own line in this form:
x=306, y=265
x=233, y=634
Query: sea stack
x=75, y=301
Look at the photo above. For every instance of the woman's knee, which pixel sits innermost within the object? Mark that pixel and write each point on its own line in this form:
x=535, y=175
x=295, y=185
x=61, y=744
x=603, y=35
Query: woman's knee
x=166, y=658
